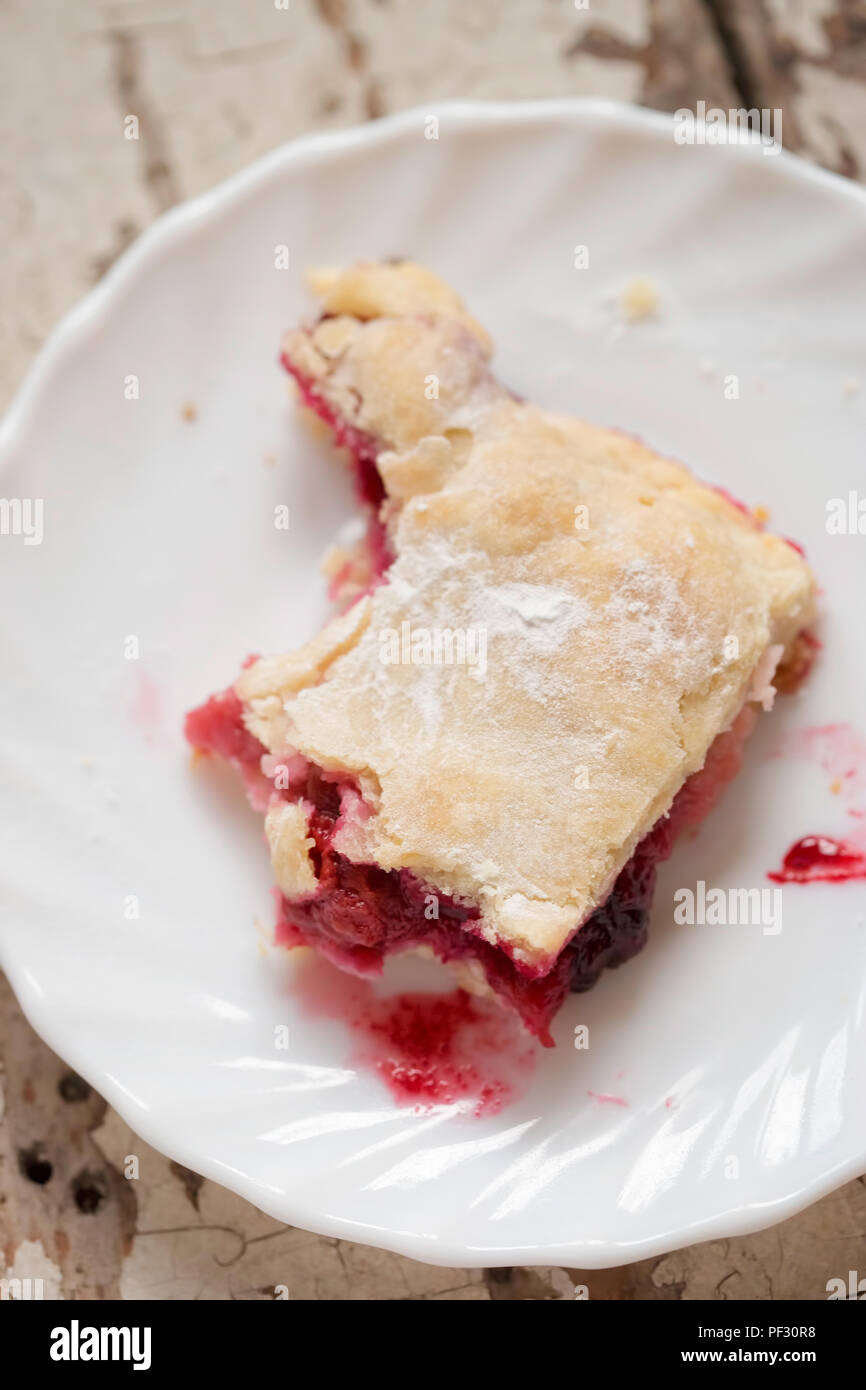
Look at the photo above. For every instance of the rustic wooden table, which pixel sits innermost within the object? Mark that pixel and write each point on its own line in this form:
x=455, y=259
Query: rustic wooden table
x=215, y=83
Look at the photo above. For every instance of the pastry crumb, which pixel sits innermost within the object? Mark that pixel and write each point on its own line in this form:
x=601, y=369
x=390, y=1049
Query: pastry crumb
x=189, y=412
x=850, y=387
x=639, y=298
x=269, y=460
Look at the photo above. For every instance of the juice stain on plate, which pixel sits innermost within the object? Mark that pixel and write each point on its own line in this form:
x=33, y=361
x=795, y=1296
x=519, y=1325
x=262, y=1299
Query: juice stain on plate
x=428, y=1049
x=604, y=1098
x=840, y=751
x=820, y=859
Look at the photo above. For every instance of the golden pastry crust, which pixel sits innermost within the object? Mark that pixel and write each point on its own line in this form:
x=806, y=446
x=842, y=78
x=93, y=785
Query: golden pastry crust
x=374, y=289
x=289, y=841
x=569, y=622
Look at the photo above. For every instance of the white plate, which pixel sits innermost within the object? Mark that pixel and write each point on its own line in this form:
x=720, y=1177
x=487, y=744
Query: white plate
x=162, y=529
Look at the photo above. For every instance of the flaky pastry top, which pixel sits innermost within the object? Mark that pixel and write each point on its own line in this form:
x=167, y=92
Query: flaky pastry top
x=607, y=614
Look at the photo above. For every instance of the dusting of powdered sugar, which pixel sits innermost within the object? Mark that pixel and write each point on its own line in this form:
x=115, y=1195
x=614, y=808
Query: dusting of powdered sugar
x=530, y=630
x=530, y=624
x=651, y=612
x=543, y=610
x=439, y=586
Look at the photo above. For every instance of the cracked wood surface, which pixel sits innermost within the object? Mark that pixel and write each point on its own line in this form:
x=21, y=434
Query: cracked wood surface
x=807, y=58
x=84, y=1204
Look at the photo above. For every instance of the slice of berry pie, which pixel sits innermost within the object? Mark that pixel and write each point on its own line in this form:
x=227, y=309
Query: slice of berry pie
x=555, y=645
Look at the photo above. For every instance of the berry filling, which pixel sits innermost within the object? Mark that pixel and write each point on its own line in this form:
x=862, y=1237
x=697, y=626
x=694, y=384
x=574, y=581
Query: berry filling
x=360, y=913
x=364, y=451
